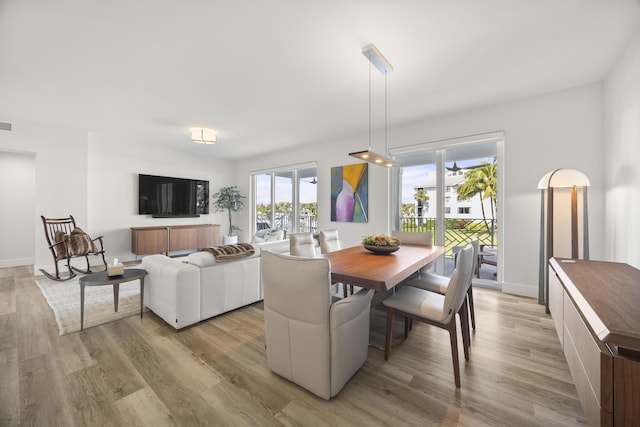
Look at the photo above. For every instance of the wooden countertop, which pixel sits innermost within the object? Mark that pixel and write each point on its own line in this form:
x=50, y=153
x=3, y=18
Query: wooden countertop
x=608, y=297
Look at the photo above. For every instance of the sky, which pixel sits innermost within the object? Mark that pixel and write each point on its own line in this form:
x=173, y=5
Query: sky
x=413, y=176
x=283, y=192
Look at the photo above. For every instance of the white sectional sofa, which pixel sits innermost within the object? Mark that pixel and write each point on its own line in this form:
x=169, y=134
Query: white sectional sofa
x=186, y=291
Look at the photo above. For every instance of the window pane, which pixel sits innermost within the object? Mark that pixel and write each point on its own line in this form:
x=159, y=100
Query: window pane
x=284, y=201
x=419, y=201
x=263, y=201
x=308, y=200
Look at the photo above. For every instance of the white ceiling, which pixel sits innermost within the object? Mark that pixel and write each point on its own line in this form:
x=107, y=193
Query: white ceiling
x=274, y=74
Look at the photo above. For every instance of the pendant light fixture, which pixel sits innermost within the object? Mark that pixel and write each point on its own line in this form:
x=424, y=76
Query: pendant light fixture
x=377, y=60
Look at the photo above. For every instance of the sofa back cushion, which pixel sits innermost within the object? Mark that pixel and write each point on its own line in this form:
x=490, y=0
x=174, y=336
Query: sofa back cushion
x=268, y=235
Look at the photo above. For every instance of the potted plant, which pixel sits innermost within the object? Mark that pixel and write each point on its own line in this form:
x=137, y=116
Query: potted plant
x=229, y=199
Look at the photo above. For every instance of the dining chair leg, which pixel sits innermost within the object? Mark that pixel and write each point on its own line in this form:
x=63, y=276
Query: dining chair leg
x=387, y=337
x=472, y=310
x=407, y=323
x=453, y=337
x=346, y=291
x=464, y=329
x=467, y=320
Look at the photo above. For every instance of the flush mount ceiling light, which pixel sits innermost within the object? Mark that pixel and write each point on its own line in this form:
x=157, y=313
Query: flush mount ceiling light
x=203, y=135
x=377, y=60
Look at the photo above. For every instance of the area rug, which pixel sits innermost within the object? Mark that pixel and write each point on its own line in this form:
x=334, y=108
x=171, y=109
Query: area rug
x=64, y=300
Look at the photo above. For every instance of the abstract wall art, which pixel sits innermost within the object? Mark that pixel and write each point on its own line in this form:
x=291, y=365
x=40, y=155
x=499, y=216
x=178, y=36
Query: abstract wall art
x=350, y=193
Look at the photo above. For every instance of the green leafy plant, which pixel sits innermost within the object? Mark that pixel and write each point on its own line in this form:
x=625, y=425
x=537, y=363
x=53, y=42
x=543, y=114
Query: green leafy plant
x=380, y=240
x=228, y=199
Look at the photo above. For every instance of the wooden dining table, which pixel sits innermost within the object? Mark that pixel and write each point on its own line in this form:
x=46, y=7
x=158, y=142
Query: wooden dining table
x=380, y=272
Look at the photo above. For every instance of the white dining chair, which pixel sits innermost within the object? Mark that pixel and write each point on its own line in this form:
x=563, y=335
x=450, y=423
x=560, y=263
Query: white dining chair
x=437, y=283
x=424, y=238
x=301, y=244
x=435, y=309
x=330, y=242
x=312, y=340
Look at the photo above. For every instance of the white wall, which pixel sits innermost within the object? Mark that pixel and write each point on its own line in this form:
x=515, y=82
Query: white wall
x=17, y=208
x=558, y=130
x=115, y=160
x=61, y=174
x=622, y=154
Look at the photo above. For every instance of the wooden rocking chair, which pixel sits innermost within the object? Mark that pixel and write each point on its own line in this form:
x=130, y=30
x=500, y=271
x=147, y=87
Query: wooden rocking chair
x=67, y=241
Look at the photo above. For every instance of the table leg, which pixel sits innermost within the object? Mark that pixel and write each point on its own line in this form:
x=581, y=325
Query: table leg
x=141, y=295
x=81, y=306
x=116, y=291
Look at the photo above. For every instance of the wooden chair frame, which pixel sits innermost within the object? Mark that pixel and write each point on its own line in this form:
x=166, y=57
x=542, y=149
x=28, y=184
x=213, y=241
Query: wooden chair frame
x=450, y=327
x=67, y=225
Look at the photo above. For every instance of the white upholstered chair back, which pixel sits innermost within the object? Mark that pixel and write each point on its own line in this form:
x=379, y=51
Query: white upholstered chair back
x=409, y=238
x=310, y=341
x=329, y=241
x=302, y=245
x=475, y=243
x=424, y=238
x=459, y=282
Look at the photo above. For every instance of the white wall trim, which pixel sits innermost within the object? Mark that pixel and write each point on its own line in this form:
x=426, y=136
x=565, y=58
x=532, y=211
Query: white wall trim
x=493, y=136
x=16, y=262
x=285, y=168
x=519, y=289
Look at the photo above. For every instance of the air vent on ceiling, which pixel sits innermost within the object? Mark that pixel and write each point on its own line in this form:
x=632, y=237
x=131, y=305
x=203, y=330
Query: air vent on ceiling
x=5, y=126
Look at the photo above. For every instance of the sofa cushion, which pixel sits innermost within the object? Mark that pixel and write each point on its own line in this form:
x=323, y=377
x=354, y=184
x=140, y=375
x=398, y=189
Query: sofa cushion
x=263, y=234
x=268, y=235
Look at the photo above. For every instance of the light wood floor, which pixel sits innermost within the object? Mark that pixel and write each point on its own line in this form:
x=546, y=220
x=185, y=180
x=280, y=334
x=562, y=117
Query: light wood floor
x=142, y=372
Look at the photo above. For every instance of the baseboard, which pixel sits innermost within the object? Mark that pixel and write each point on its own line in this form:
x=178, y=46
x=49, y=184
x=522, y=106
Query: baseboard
x=519, y=289
x=16, y=262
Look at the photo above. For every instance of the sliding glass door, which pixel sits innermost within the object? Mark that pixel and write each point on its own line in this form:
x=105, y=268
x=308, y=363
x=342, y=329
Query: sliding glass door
x=451, y=190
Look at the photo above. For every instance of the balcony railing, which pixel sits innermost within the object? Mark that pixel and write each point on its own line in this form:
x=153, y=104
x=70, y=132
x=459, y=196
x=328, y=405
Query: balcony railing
x=306, y=223
x=458, y=231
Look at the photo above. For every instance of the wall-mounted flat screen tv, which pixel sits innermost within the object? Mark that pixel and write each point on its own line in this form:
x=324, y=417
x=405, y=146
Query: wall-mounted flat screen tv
x=166, y=197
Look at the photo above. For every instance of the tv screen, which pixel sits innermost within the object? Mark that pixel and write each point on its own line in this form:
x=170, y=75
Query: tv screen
x=166, y=197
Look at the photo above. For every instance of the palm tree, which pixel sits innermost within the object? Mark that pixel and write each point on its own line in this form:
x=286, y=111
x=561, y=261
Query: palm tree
x=420, y=196
x=481, y=181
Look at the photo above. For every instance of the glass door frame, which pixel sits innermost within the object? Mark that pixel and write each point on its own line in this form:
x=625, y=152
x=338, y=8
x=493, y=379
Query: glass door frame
x=439, y=148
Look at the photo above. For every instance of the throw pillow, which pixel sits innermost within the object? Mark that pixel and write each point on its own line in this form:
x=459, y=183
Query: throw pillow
x=80, y=243
x=262, y=233
x=276, y=234
x=60, y=248
x=229, y=252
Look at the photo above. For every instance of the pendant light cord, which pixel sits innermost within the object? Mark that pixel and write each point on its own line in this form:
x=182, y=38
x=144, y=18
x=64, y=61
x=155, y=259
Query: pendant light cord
x=369, y=56
x=386, y=151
